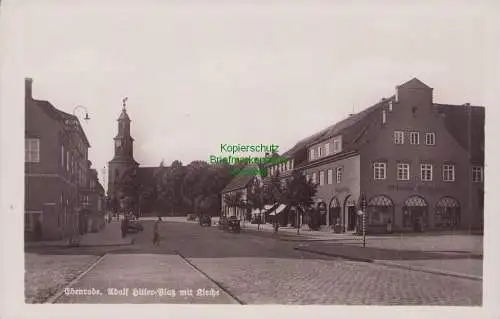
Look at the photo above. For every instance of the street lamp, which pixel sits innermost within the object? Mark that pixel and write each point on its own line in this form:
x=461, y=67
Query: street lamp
x=75, y=121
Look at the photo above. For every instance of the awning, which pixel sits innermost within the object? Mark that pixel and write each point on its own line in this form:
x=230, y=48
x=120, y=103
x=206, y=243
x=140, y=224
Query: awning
x=278, y=210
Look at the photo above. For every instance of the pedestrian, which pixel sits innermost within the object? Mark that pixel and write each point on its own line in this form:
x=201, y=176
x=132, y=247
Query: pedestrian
x=124, y=227
x=389, y=226
x=276, y=227
x=156, y=234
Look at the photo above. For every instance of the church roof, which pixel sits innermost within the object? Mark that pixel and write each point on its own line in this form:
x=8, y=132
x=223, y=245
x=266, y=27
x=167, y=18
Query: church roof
x=124, y=116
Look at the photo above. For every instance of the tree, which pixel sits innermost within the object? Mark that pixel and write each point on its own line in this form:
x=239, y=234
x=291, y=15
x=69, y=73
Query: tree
x=299, y=193
x=128, y=188
x=196, y=185
x=255, y=197
x=169, y=181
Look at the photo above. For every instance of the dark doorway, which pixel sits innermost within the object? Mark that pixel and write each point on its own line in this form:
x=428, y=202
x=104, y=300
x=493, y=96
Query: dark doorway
x=334, y=215
x=352, y=219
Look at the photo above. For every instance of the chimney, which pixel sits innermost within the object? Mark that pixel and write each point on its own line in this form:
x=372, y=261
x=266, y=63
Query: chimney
x=28, y=84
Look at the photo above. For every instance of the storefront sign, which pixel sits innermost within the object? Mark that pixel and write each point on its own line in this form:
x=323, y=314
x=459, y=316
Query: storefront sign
x=416, y=188
x=342, y=190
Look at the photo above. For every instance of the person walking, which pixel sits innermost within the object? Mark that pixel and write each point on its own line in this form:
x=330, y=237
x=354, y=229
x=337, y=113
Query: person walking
x=276, y=227
x=124, y=225
x=156, y=233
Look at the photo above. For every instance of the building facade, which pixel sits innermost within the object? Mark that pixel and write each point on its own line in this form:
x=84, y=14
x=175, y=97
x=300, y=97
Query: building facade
x=56, y=170
x=94, y=203
x=239, y=184
x=419, y=164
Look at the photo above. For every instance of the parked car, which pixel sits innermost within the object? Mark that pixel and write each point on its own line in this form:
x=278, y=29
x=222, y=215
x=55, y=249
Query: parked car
x=223, y=223
x=234, y=224
x=206, y=220
x=134, y=225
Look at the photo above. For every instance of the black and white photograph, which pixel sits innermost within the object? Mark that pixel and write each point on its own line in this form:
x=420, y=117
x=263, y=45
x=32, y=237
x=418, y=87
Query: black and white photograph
x=250, y=153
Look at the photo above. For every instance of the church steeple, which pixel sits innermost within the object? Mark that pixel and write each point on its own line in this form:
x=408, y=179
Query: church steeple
x=123, y=158
x=123, y=141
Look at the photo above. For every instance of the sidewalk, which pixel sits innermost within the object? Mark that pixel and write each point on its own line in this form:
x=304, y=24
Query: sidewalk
x=458, y=255
x=451, y=263
x=110, y=235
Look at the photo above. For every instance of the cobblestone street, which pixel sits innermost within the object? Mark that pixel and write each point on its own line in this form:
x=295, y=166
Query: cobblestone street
x=250, y=268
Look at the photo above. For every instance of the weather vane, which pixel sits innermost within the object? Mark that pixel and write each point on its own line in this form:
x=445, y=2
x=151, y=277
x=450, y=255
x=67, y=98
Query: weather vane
x=124, y=102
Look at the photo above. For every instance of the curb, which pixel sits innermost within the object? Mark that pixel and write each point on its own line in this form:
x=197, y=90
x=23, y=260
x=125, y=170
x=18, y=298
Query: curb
x=366, y=260
x=396, y=265
x=429, y=270
x=130, y=242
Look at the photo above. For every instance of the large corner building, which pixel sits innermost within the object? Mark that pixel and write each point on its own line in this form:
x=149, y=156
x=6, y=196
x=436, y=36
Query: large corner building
x=419, y=164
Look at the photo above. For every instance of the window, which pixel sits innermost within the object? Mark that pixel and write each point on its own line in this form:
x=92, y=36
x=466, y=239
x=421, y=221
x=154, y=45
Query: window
x=291, y=164
x=321, y=178
x=384, y=117
x=308, y=177
x=314, y=178
x=477, y=174
x=403, y=172
x=330, y=176
x=448, y=173
x=399, y=137
x=390, y=106
x=311, y=154
x=62, y=155
x=32, y=150
x=320, y=151
x=430, y=139
x=327, y=149
x=339, y=174
x=426, y=172
x=337, y=145
x=379, y=170
x=67, y=161
x=414, y=138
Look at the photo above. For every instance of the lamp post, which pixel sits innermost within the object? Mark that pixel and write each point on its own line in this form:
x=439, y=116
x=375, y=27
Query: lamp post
x=363, y=210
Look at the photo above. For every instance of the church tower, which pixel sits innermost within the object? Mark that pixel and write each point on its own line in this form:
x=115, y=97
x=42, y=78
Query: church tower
x=123, y=159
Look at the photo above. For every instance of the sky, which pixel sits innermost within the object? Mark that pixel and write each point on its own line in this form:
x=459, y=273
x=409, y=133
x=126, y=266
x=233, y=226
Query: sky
x=199, y=75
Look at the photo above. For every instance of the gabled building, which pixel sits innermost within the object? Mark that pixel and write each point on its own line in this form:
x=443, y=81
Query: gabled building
x=240, y=184
x=56, y=170
x=419, y=164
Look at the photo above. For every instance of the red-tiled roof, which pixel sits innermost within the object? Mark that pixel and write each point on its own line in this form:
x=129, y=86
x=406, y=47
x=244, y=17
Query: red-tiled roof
x=466, y=125
x=351, y=128
x=241, y=180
